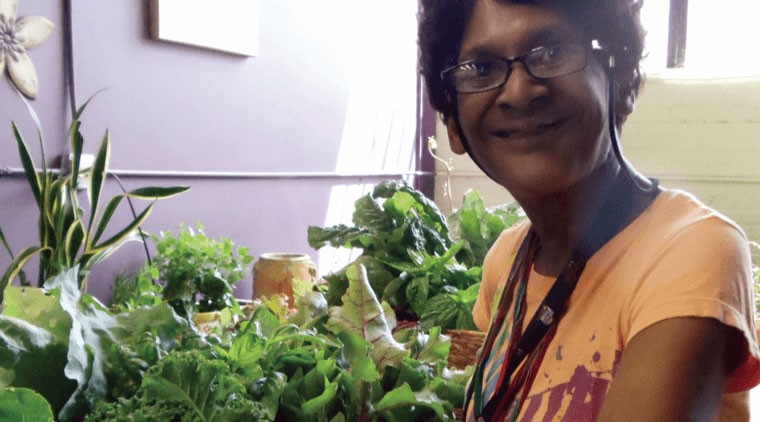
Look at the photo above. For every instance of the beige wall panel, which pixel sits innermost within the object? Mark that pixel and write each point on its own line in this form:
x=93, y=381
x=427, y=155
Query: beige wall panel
x=694, y=148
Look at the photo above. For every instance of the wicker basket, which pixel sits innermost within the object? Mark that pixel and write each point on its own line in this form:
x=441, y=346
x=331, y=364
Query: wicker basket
x=464, y=347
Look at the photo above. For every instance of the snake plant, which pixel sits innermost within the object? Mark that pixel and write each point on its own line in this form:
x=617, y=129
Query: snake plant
x=69, y=236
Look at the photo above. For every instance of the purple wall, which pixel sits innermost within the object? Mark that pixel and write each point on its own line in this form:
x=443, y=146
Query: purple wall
x=178, y=109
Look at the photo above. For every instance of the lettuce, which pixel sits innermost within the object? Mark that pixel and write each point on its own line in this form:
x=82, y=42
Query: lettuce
x=69, y=348
x=23, y=404
x=340, y=363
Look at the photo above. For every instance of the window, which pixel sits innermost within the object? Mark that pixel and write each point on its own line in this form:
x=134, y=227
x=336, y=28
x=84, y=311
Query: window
x=721, y=37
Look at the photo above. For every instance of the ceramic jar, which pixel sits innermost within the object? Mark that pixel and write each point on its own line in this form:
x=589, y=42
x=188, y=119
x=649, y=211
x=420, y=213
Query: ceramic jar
x=206, y=322
x=274, y=273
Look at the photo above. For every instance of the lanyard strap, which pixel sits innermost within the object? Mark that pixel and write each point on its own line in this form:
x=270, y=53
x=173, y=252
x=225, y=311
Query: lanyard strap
x=524, y=254
x=624, y=202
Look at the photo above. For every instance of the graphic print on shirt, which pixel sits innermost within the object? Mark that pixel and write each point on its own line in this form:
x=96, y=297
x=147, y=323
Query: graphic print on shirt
x=581, y=396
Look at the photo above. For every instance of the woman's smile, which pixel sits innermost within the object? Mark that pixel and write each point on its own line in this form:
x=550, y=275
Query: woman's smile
x=530, y=132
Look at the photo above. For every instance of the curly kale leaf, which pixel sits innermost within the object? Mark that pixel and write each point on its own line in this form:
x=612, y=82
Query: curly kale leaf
x=186, y=386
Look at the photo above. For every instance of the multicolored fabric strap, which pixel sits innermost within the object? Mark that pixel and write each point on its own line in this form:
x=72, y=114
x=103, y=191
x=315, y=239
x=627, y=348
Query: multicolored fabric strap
x=514, y=292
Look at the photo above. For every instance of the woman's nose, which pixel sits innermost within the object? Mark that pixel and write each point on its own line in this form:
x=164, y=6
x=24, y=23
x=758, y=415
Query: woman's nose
x=520, y=89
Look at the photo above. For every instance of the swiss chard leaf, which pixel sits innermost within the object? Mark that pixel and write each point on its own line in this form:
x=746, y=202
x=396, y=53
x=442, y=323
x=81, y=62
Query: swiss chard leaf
x=362, y=314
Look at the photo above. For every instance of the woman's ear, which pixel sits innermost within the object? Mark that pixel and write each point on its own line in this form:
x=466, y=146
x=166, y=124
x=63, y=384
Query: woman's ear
x=625, y=104
x=455, y=141
x=625, y=101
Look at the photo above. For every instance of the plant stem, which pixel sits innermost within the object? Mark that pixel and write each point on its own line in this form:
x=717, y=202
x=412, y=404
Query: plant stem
x=432, y=147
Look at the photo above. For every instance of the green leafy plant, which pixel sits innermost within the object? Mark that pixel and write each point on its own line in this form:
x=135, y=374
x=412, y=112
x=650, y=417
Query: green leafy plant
x=351, y=365
x=451, y=309
x=69, y=348
x=69, y=236
x=187, y=386
x=363, y=315
x=423, y=264
x=23, y=404
x=197, y=272
x=478, y=226
x=148, y=364
x=406, y=248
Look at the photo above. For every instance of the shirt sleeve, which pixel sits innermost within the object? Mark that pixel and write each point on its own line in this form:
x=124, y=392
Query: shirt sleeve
x=496, y=266
x=704, y=270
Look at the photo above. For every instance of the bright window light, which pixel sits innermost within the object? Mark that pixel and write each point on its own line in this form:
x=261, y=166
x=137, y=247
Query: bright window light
x=381, y=118
x=721, y=39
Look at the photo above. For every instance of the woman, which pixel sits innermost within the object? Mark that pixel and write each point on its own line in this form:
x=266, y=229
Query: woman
x=617, y=299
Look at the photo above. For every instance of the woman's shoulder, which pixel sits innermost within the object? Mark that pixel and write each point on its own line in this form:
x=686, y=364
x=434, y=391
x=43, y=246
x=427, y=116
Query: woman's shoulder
x=677, y=212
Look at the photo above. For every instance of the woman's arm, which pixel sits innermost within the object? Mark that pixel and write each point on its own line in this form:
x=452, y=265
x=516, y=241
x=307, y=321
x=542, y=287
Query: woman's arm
x=673, y=370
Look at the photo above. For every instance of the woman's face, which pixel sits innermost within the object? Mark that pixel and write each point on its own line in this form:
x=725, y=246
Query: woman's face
x=534, y=137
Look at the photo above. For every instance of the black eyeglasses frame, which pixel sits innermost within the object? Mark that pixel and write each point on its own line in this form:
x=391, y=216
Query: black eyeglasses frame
x=445, y=74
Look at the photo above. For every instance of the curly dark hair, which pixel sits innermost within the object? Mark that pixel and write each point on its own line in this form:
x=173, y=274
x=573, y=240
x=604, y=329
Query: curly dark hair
x=616, y=24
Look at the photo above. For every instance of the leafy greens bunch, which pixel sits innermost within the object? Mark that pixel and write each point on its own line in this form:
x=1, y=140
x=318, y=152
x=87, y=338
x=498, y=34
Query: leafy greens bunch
x=63, y=353
x=414, y=261
x=196, y=273
x=479, y=227
x=70, y=349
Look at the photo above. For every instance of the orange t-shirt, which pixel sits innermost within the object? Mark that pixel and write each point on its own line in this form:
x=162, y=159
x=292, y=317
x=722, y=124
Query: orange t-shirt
x=678, y=258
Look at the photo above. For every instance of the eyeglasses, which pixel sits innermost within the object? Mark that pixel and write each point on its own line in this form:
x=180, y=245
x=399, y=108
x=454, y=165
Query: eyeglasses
x=541, y=63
